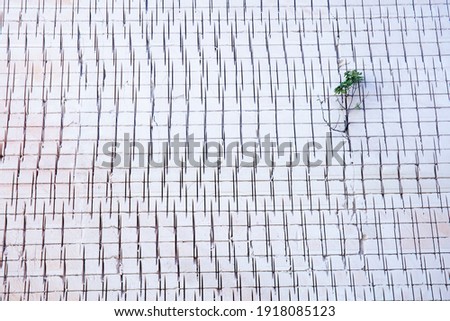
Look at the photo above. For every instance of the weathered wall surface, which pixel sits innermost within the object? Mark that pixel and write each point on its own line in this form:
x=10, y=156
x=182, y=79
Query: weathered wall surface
x=79, y=75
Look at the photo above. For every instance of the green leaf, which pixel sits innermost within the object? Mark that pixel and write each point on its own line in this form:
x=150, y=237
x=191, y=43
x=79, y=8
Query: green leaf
x=351, y=78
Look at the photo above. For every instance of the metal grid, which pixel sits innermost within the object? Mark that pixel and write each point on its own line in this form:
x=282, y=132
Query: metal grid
x=76, y=75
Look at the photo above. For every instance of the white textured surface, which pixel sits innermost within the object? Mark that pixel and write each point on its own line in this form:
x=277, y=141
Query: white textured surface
x=78, y=74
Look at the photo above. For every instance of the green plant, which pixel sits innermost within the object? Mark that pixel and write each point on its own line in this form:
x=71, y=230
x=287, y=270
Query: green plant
x=352, y=78
x=346, y=92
